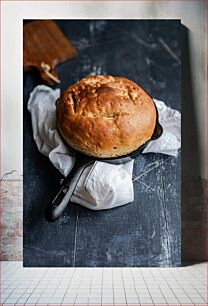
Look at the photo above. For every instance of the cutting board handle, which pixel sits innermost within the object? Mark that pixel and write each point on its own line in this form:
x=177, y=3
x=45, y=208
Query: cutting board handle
x=48, y=74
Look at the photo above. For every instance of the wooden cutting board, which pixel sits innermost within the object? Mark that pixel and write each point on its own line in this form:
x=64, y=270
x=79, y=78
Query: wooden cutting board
x=44, y=47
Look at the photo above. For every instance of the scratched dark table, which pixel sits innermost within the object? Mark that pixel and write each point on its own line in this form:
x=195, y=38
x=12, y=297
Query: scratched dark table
x=147, y=231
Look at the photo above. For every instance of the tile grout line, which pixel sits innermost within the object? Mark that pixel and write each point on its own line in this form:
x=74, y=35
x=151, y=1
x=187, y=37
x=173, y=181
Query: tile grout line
x=135, y=285
x=169, y=287
x=160, y=288
x=69, y=286
x=123, y=285
x=146, y=286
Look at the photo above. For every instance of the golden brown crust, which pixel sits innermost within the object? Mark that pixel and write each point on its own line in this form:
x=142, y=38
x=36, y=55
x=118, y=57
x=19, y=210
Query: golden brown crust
x=105, y=116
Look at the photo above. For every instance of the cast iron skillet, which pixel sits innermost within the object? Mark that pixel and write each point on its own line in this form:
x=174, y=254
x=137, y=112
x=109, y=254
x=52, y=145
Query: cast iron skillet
x=60, y=201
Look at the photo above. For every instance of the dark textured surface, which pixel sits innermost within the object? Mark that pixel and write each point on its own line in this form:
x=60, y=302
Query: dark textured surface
x=147, y=231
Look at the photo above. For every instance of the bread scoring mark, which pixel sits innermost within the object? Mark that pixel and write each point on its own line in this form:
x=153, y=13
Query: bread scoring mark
x=132, y=94
x=106, y=116
x=113, y=84
x=74, y=100
x=105, y=85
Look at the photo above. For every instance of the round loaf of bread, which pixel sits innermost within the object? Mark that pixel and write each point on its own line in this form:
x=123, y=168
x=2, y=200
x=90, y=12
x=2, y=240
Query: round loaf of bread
x=105, y=116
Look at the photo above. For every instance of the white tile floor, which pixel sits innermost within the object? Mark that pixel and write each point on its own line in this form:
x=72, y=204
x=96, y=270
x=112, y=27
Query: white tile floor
x=103, y=286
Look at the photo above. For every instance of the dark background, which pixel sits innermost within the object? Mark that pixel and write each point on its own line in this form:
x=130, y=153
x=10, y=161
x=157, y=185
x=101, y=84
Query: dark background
x=147, y=231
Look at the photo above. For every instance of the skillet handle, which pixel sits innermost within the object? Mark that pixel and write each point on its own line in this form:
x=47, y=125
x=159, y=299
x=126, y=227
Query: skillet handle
x=56, y=208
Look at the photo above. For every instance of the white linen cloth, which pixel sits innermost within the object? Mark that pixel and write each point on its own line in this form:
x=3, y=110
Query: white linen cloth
x=101, y=185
